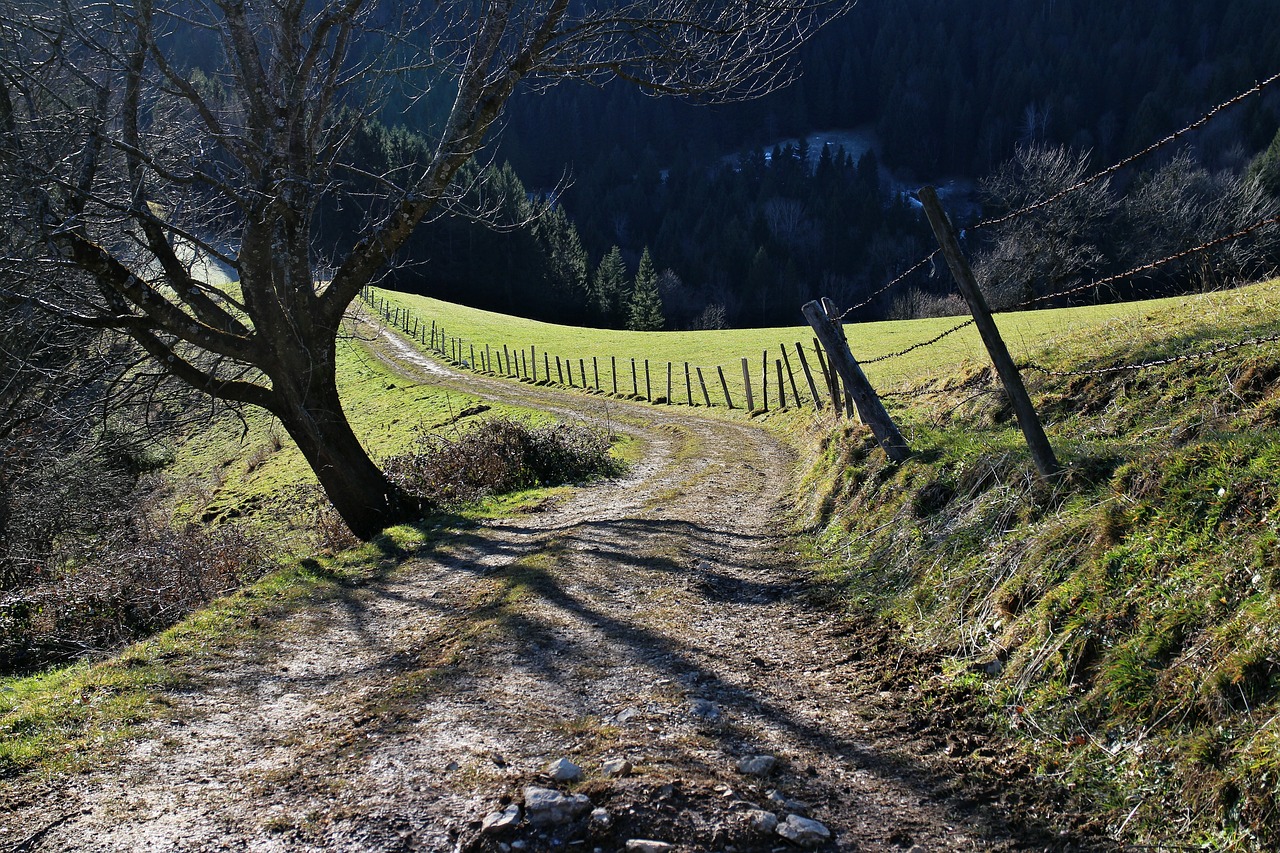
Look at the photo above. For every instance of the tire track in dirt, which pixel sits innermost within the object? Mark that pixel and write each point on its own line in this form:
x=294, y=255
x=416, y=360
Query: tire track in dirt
x=658, y=618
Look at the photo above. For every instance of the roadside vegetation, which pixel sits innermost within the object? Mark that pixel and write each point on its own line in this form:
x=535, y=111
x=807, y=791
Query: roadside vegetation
x=1120, y=625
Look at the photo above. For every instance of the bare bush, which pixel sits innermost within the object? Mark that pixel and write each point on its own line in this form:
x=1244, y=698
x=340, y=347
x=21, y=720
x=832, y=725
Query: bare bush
x=126, y=587
x=501, y=455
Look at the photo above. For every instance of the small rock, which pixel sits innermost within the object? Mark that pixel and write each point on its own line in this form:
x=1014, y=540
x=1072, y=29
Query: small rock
x=564, y=770
x=644, y=845
x=498, y=821
x=616, y=767
x=601, y=819
x=757, y=765
x=705, y=709
x=803, y=831
x=627, y=714
x=762, y=821
x=451, y=766
x=547, y=807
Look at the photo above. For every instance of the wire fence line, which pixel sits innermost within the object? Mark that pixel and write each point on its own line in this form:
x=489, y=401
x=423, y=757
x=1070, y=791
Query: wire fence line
x=653, y=380
x=1256, y=89
x=1147, y=267
x=1116, y=167
x=1158, y=362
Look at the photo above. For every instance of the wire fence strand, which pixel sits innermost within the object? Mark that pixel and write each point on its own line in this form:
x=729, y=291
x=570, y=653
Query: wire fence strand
x=901, y=277
x=1257, y=88
x=1147, y=267
x=921, y=344
x=1159, y=362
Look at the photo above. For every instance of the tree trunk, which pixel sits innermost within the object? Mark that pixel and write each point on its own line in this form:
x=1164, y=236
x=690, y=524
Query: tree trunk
x=367, y=501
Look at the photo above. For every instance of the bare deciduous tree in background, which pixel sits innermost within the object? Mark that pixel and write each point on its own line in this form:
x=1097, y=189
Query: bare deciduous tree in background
x=149, y=143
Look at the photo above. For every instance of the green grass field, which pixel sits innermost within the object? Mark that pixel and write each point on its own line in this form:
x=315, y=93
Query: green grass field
x=1025, y=333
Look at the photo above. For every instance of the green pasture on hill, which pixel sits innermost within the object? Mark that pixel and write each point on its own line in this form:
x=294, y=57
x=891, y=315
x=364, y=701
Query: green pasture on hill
x=1025, y=333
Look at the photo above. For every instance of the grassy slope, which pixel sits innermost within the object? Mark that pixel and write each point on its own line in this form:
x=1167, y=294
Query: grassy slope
x=1122, y=625
x=1023, y=331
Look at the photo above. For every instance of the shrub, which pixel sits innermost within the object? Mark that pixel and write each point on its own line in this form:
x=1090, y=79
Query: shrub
x=501, y=455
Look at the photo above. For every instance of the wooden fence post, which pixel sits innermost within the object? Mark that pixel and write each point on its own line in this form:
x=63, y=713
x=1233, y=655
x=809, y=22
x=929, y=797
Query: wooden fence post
x=613, y=368
x=688, y=385
x=703, y=383
x=795, y=392
x=559, y=371
x=595, y=371
x=724, y=386
x=648, y=389
x=669, y=400
x=808, y=375
x=833, y=381
x=635, y=385
x=1029, y=421
x=473, y=356
x=868, y=402
x=582, y=369
x=746, y=378
x=764, y=381
x=782, y=392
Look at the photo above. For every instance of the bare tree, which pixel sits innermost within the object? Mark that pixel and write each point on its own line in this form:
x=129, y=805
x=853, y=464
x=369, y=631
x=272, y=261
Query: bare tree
x=1052, y=247
x=149, y=143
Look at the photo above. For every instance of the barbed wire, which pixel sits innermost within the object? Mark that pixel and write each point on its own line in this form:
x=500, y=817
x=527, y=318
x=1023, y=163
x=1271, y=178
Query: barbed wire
x=1257, y=88
x=920, y=345
x=1159, y=362
x=873, y=297
x=1147, y=267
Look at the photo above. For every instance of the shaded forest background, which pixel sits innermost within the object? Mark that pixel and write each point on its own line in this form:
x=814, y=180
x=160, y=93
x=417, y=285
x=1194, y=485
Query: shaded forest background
x=743, y=227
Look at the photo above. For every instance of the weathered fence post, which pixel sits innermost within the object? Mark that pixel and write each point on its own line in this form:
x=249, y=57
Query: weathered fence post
x=669, y=400
x=635, y=385
x=1041, y=450
x=613, y=368
x=746, y=379
x=782, y=392
x=595, y=371
x=728, y=401
x=648, y=389
x=559, y=371
x=808, y=375
x=764, y=381
x=688, y=385
x=703, y=383
x=868, y=402
x=795, y=392
x=582, y=369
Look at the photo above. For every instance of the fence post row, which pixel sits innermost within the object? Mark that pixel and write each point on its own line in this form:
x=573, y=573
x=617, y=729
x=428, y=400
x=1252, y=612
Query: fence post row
x=868, y=402
x=1028, y=420
x=808, y=375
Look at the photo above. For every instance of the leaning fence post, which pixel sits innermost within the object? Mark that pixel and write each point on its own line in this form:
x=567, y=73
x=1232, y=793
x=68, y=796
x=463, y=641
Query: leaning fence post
x=833, y=381
x=868, y=402
x=728, y=401
x=1041, y=450
x=808, y=375
x=746, y=379
x=795, y=392
x=782, y=392
x=703, y=383
x=635, y=385
x=688, y=385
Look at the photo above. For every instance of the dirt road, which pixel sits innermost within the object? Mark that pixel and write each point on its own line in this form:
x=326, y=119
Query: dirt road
x=660, y=619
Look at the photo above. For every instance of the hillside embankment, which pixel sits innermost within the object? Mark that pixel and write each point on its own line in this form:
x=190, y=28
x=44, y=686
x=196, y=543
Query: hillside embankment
x=661, y=632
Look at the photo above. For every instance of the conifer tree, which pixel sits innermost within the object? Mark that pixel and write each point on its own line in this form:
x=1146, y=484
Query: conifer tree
x=644, y=313
x=610, y=287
